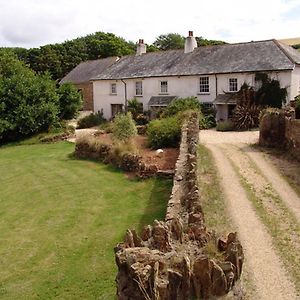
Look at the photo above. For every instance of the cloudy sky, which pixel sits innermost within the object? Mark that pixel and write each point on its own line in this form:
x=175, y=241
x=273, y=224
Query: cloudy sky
x=32, y=23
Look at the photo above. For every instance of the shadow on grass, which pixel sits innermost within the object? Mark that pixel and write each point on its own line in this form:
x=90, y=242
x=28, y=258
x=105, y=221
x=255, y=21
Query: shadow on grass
x=157, y=203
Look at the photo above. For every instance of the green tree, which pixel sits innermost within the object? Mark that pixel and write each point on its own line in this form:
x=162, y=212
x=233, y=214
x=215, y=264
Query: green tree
x=28, y=103
x=169, y=41
x=70, y=101
x=270, y=93
x=180, y=105
x=204, y=42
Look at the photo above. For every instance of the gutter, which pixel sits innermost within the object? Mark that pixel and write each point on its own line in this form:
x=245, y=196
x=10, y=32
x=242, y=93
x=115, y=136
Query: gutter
x=125, y=90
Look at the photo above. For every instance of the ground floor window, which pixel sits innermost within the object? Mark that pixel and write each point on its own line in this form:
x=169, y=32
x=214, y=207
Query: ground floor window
x=115, y=109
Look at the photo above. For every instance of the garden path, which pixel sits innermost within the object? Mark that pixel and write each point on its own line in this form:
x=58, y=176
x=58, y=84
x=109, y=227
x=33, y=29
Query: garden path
x=248, y=177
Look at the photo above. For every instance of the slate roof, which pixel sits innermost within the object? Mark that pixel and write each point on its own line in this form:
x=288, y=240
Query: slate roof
x=227, y=98
x=292, y=53
x=88, y=69
x=161, y=100
x=267, y=55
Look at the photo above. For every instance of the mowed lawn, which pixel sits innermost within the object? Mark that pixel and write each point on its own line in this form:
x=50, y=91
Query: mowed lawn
x=60, y=219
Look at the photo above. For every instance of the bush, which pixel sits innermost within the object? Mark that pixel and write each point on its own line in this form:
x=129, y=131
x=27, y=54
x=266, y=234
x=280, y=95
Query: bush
x=180, y=105
x=164, y=133
x=246, y=117
x=91, y=120
x=28, y=102
x=70, y=101
x=122, y=155
x=297, y=107
x=206, y=122
x=123, y=127
x=227, y=125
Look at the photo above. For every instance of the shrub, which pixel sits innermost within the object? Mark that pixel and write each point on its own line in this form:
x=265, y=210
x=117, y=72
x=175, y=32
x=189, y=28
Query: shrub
x=180, y=105
x=91, y=120
x=28, y=102
x=136, y=109
x=122, y=155
x=227, y=125
x=164, y=133
x=70, y=101
x=206, y=122
x=246, y=117
x=123, y=127
x=297, y=107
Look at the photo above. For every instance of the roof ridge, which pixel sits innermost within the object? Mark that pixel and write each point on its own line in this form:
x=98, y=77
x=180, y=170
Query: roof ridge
x=278, y=44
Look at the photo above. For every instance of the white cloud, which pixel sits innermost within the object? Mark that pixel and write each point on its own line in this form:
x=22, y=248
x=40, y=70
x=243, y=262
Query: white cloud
x=36, y=22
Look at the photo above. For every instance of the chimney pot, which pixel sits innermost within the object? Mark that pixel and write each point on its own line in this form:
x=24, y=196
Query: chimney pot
x=190, y=43
x=140, y=47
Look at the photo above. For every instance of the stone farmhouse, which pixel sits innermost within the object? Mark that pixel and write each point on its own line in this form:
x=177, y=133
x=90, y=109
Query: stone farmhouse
x=213, y=74
x=81, y=76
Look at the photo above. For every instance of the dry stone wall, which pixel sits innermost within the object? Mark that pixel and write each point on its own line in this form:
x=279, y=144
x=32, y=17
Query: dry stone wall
x=178, y=258
x=279, y=131
x=292, y=136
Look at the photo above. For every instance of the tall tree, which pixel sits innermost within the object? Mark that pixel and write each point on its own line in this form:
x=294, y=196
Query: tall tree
x=169, y=41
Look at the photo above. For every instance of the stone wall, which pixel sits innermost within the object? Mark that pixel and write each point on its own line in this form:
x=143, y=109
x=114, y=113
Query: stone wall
x=178, y=258
x=86, y=89
x=279, y=131
x=292, y=137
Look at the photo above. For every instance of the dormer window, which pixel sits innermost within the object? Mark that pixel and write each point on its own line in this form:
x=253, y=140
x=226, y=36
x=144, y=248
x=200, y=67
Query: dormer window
x=113, y=88
x=204, y=84
x=233, y=85
x=164, y=87
x=139, y=88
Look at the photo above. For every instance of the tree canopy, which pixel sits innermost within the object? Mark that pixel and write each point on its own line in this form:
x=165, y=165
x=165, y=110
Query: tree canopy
x=169, y=41
x=176, y=41
x=60, y=59
x=30, y=103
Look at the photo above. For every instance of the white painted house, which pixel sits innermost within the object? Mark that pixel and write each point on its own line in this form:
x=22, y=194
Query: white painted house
x=206, y=72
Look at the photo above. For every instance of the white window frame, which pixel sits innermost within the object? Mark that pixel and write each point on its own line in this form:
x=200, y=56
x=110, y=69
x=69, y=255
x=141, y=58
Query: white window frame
x=113, y=89
x=233, y=84
x=204, y=85
x=139, y=88
x=163, y=87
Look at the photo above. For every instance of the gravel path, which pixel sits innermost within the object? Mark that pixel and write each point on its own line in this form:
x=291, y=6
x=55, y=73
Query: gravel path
x=230, y=149
x=286, y=193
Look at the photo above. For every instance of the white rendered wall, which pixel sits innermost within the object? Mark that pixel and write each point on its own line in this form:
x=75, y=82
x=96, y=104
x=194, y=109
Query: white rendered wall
x=295, y=83
x=180, y=86
x=184, y=86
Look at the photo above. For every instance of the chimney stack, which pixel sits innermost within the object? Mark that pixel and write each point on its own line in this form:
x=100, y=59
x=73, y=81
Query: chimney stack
x=190, y=43
x=140, y=47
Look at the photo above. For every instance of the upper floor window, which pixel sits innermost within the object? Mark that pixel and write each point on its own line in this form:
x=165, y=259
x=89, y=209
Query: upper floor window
x=113, y=88
x=204, y=84
x=233, y=85
x=164, y=87
x=139, y=88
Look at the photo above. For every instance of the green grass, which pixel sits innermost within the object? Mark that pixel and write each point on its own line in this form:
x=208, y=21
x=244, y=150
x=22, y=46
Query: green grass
x=212, y=198
x=60, y=219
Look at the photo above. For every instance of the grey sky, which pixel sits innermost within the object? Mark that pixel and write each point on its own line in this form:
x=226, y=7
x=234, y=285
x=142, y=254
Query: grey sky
x=32, y=23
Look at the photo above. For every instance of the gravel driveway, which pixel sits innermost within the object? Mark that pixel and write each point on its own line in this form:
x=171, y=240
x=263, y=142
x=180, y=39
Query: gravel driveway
x=243, y=171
